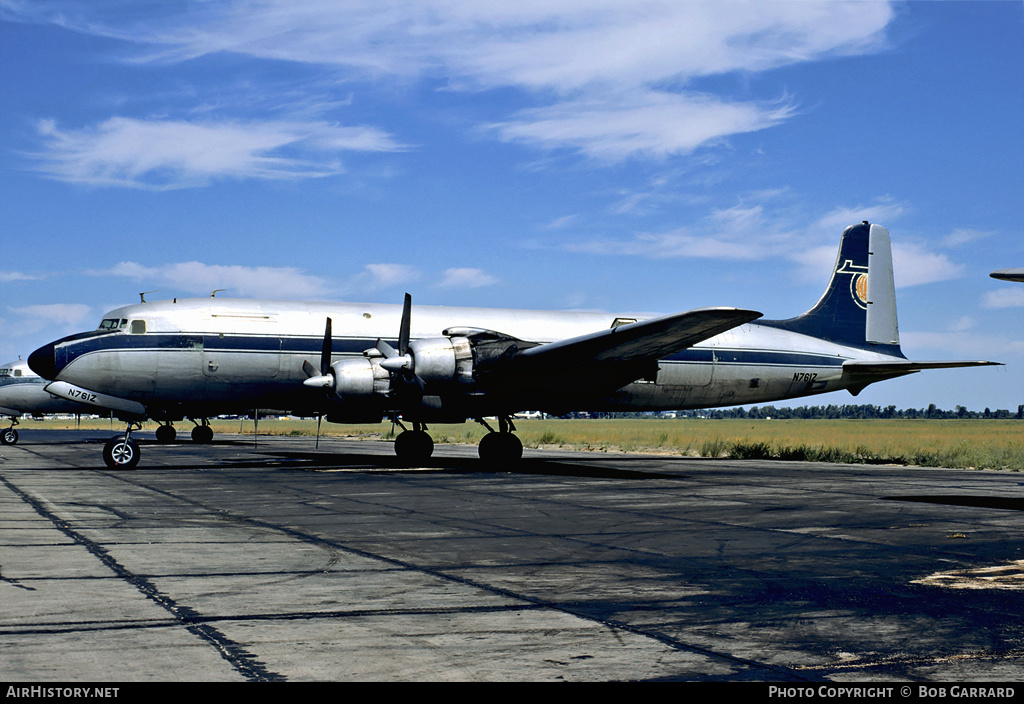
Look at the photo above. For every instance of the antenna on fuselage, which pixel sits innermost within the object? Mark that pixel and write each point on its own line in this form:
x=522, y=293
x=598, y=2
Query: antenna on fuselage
x=213, y=293
x=142, y=295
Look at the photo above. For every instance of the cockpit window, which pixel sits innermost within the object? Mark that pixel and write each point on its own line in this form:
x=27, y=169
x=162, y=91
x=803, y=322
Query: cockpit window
x=138, y=327
x=112, y=323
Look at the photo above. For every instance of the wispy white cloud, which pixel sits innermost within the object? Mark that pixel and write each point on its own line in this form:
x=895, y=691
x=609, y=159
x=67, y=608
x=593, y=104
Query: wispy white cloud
x=164, y=154
x=1004, y=298
x=676, y=244
x=245, y=281
x=11, y=276
x=962, y=235
x=753, y=230
x=914, y=263
x=33, y=318
x=466, y=277
x=962, y=344
x=638, y=123
x=378, y=276
x=607, y=78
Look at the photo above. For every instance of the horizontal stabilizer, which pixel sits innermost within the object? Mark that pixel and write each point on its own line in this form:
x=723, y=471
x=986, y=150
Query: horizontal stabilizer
x=641, y=341
x=906, y=366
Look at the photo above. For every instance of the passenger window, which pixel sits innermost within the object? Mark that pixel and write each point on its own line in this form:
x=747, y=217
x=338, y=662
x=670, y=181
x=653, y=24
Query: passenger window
x=138, y=327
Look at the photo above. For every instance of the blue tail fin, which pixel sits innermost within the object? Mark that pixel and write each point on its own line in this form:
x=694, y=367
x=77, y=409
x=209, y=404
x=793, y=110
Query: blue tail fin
x=858, y=308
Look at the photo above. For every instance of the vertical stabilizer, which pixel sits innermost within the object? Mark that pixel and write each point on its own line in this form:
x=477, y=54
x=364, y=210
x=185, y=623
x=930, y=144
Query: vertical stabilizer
x=858, y=307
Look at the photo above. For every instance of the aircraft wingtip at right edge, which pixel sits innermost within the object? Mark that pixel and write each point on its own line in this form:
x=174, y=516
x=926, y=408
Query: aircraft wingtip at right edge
x=1016, y=274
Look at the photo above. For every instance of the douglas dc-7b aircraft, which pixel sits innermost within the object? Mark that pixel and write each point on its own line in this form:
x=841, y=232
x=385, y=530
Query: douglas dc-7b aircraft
x=22, y=391
x=203, y=357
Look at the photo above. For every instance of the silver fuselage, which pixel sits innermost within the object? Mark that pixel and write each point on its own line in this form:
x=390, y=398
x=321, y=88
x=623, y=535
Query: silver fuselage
x=205, y=357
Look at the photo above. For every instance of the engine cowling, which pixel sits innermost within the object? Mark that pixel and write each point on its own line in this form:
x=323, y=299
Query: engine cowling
x=442, y=360
x=360, y=376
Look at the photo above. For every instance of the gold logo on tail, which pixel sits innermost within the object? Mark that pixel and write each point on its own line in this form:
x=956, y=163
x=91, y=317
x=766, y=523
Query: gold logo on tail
x=858, y=282
x=859, y=289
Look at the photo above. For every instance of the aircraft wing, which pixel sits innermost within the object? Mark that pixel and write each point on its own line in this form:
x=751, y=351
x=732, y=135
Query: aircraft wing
x=614, y=357
x=1009, y=274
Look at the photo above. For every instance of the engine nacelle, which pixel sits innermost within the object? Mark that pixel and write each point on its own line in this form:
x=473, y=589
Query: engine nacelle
x=360, y=377
x=442, y=360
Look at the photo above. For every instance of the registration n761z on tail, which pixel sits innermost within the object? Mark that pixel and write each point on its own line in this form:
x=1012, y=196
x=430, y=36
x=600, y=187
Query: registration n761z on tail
x=355, y=362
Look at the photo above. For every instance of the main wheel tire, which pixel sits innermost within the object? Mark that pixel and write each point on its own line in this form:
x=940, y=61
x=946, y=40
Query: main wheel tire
x=118, y=454
x=501, y=448
x=202, y=434
x=166, y=434
x=414, y=446
x=9, y=436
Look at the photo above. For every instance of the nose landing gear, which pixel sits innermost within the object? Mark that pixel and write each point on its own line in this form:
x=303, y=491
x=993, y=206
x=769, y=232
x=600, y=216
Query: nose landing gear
x=121, y=451
x=9, y=436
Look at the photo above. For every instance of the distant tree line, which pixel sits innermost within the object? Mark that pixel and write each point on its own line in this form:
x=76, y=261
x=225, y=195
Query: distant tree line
x=831, y=411
x=861, y=411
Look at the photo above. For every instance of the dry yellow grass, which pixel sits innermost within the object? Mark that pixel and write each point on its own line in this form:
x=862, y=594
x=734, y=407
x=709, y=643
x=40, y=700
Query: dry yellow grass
x=981, y=444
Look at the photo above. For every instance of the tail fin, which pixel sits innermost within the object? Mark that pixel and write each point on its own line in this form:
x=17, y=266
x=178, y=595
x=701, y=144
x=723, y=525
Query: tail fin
x=858, y=308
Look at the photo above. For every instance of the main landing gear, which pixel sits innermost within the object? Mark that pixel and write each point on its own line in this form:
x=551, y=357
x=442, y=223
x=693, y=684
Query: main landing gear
x=499, y=447
x=414, y=445
x=201, y=434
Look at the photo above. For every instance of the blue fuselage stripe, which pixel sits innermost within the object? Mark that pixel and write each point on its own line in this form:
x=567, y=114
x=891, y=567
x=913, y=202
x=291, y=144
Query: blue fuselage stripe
x=211, y=343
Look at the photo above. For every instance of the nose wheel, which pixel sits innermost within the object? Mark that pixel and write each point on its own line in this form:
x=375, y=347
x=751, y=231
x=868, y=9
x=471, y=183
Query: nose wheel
x=9, y=436
x=121, y=451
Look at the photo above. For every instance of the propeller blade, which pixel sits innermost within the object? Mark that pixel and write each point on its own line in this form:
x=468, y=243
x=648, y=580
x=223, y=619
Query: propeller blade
x=404, y=331
x=325, y=378
x=325, y=352
x=385, y=349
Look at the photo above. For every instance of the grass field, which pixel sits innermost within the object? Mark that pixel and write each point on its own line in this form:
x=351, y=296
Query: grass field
x=975, y=444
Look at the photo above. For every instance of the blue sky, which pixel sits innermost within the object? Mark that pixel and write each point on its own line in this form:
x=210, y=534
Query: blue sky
x=631, y=156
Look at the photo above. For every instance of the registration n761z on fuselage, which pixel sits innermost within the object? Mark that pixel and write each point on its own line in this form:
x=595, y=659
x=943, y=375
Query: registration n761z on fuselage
x=354, y=362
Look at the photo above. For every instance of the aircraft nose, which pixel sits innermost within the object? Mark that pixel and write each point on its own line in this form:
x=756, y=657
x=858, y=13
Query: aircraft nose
x=44, y=361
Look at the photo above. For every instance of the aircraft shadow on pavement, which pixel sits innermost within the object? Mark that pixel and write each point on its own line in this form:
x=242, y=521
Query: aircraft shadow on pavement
x=320, y=461
x=1000, y=502
x=325, y=460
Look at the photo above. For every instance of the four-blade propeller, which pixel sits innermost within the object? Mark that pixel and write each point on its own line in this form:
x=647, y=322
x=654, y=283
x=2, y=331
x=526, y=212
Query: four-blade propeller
x=400, y=363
